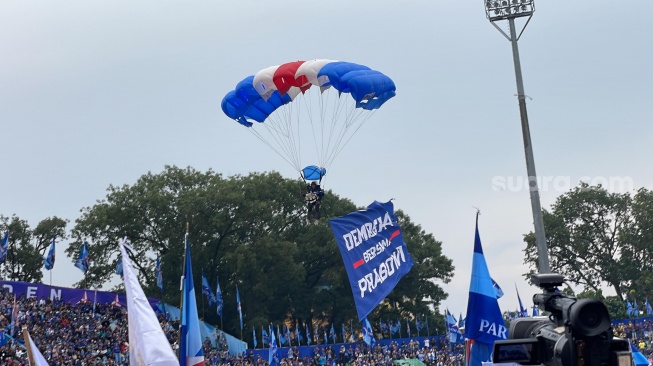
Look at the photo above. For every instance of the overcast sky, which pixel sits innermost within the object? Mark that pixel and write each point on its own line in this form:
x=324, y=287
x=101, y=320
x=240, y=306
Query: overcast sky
x=99, y=93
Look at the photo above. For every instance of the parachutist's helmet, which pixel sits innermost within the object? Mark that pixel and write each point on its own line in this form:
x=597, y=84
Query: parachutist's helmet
x=313, y=183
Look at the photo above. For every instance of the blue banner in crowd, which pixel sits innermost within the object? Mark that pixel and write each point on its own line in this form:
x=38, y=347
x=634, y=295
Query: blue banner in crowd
x=71, y=295
x=374, y=253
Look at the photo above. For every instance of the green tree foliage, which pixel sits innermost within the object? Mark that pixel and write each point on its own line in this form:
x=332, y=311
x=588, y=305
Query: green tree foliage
x=595, y=237
x=27, y=247
x=248, y=231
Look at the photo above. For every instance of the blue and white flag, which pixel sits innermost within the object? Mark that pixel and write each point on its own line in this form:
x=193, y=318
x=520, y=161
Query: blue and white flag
x=368, y=333
x=206, y=290
x=82, y=259
x=190, y=350
x=308, y=335
x=635, y=308
x=48, y=262
x=158, y=273
x=649, y=309
x=629, y=308
x=455, y=336
x=374, y=253
x=4, y=246
x=484, y=323
x=218, y=298
x=239, y=307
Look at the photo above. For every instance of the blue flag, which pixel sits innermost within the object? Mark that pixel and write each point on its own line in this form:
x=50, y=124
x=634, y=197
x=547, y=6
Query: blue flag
x=286, y=332
x=629, y=308
x=461, y=321
x=48, y=262
x=4, y=246
x=240, y=309
x=649, y=309
x=206, y=290
x=484, y=323
x=218, y=299
x=298, y=334
x=638, y=357
x=82, y=258
x=635, y=308
x=394, y=328
x=523, y=312
x=272, y=356
x=119, y=267
x=254, y=336
x=536, y=311
x=344, y=333
x=374, y=253
x=455, y=336
x=308, y=335
x=332, y=334
x=190, y=349
x=282, y=337
x=158, y=273
x=368, y=334
x=265, y=337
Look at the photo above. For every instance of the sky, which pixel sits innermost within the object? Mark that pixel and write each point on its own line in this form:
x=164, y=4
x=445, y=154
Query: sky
x=94, y=94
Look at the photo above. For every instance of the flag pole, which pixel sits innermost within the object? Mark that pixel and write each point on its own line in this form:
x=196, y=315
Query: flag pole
x=183, y=272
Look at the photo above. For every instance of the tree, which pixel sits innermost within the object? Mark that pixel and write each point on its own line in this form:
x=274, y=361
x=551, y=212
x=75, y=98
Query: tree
x=27, y=247
x=638, y=253
x=597, y=237
x=250, y=232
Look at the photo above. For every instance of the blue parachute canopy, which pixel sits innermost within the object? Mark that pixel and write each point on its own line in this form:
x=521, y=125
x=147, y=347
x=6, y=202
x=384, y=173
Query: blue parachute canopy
x=313, y=172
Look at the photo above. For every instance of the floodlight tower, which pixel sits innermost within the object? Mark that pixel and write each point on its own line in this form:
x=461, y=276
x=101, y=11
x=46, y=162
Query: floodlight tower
x=499, y=10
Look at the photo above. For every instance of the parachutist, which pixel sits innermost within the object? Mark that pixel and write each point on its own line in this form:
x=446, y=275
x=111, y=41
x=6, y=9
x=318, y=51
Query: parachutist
x=313, y=197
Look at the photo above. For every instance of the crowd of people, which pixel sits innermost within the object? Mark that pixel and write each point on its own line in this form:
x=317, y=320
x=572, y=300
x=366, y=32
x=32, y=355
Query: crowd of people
x=97, y=334
x=78, y=334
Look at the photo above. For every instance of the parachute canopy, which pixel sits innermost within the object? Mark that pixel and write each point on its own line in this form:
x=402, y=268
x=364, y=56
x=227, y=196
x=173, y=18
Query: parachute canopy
x=308, y=109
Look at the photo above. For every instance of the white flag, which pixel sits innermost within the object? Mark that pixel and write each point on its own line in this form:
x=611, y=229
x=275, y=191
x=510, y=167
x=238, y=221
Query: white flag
x=34, y=355
x=148, y=344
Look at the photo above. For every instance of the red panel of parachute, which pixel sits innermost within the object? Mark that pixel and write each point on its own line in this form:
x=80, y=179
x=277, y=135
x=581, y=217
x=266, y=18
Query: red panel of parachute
x=284, y=77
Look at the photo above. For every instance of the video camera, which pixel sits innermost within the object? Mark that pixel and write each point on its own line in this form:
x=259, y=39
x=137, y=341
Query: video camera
x=577, y=332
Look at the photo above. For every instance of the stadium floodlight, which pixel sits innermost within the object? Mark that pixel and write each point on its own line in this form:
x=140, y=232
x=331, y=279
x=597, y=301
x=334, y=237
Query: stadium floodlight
x=504, y=9
x=499, y=10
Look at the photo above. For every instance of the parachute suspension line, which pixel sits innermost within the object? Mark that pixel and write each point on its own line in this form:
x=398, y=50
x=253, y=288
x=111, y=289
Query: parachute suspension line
x=279, y=129
x=346, y=112
x=362, y=122
x=308, y=102
x=260, y=137
x=333, y=104
x=355, y=120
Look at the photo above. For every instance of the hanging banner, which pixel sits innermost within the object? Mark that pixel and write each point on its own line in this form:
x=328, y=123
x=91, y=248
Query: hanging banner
x=374, y=253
